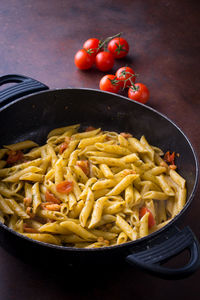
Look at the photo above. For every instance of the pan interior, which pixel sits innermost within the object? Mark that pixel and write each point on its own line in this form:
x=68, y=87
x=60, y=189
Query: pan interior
x=34, y=116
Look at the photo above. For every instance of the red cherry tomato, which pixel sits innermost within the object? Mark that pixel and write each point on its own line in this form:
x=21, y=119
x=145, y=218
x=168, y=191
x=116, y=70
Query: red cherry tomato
x=14, y=156
x=151, y=220
x=119, y=47
x=109, y=83
x=83, y=59
x=92, y=45
x=51, y=198
x=104, y=61
x=84, y=165
x=140, y=94
x=64, y=187
x=124, y=74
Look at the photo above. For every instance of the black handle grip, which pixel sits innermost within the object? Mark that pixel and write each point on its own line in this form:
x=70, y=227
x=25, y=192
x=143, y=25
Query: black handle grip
x=150, y=259
x=25, y=86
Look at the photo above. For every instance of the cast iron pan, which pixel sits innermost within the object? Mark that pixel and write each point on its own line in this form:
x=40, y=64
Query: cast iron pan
x=32, y=117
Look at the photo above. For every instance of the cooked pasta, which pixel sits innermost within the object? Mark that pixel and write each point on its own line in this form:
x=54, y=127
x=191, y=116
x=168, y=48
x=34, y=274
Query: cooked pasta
x=88, y=189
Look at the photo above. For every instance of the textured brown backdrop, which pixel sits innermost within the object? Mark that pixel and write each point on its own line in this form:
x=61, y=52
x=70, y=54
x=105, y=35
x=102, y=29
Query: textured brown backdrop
x=39, y=39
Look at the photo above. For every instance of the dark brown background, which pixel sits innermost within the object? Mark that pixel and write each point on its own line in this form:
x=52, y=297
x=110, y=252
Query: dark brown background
x=39, y=39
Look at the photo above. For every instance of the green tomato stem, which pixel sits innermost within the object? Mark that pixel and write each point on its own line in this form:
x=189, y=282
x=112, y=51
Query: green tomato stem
x=107, y=40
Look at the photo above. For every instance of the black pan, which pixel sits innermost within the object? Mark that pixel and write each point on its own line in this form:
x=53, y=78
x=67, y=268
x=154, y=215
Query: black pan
x=33, y=116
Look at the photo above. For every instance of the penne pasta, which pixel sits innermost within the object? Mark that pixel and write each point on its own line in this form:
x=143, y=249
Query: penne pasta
x=21, y=145
x=88, y=189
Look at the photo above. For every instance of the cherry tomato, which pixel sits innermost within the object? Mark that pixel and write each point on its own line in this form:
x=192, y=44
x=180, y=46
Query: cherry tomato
x=140, y=94
x=64, y=187
x=84, y=165
x=63, y=146
x=28, y=229
x=118, y=47
x=90, y=128
x=104, y=61
x=14, y=156
x=151, y=220
x=110, y=83
x=92, y=45
x=83, y=59
x=51, y=198
x=169, y=158
x=124, y=74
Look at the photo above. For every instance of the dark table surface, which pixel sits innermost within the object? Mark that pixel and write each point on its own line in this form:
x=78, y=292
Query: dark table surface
x=39, y=39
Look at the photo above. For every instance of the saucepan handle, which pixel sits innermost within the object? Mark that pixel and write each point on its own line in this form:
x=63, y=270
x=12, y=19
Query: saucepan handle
x=150, y=259
x=25, y=86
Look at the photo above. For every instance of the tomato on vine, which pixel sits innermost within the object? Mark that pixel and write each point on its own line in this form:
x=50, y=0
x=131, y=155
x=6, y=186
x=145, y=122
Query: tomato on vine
x=138, y=92
x=104, y=61
x=92, y=45
x=110, y=83
x=126, y=75
x=83, y=59
x=119, y=47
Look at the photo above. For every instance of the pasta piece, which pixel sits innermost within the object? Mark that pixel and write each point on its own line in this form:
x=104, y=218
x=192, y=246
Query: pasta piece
x=177, y=178
x=161, y=212
x=114, y=208
x=91, y=141
x=100, y=193
x=86, y=211
x=98, y=244
x=137, y=145
x=104, y=234
x=104, y=184
x=115, y=162
x=89, y=183
x=164, y=185
x=77, y=208
x=4, y=207
x=34, y=153
x=112, y=149
x=122, y=238
x=61, y=130
x=71, y=147
x=43, y=237
x=129, y=195
x=81, y=177
x=126, y=228
x=86, y=134
x=98, y=153
x=58, y=171
x=122, y=184
x=71, y=238
x=143, y=230
x=97, y=211
x=54, y=228
x=150, y=150
x=32, y=177
x=52, y=215
x=106, y=171
x=36, y=197
x=73, y=158
x=106, y=219
x=16, y=208
x=51, y=152
x=21, y=145
x=131, y=158
x=78, y=230
x=155, y=195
